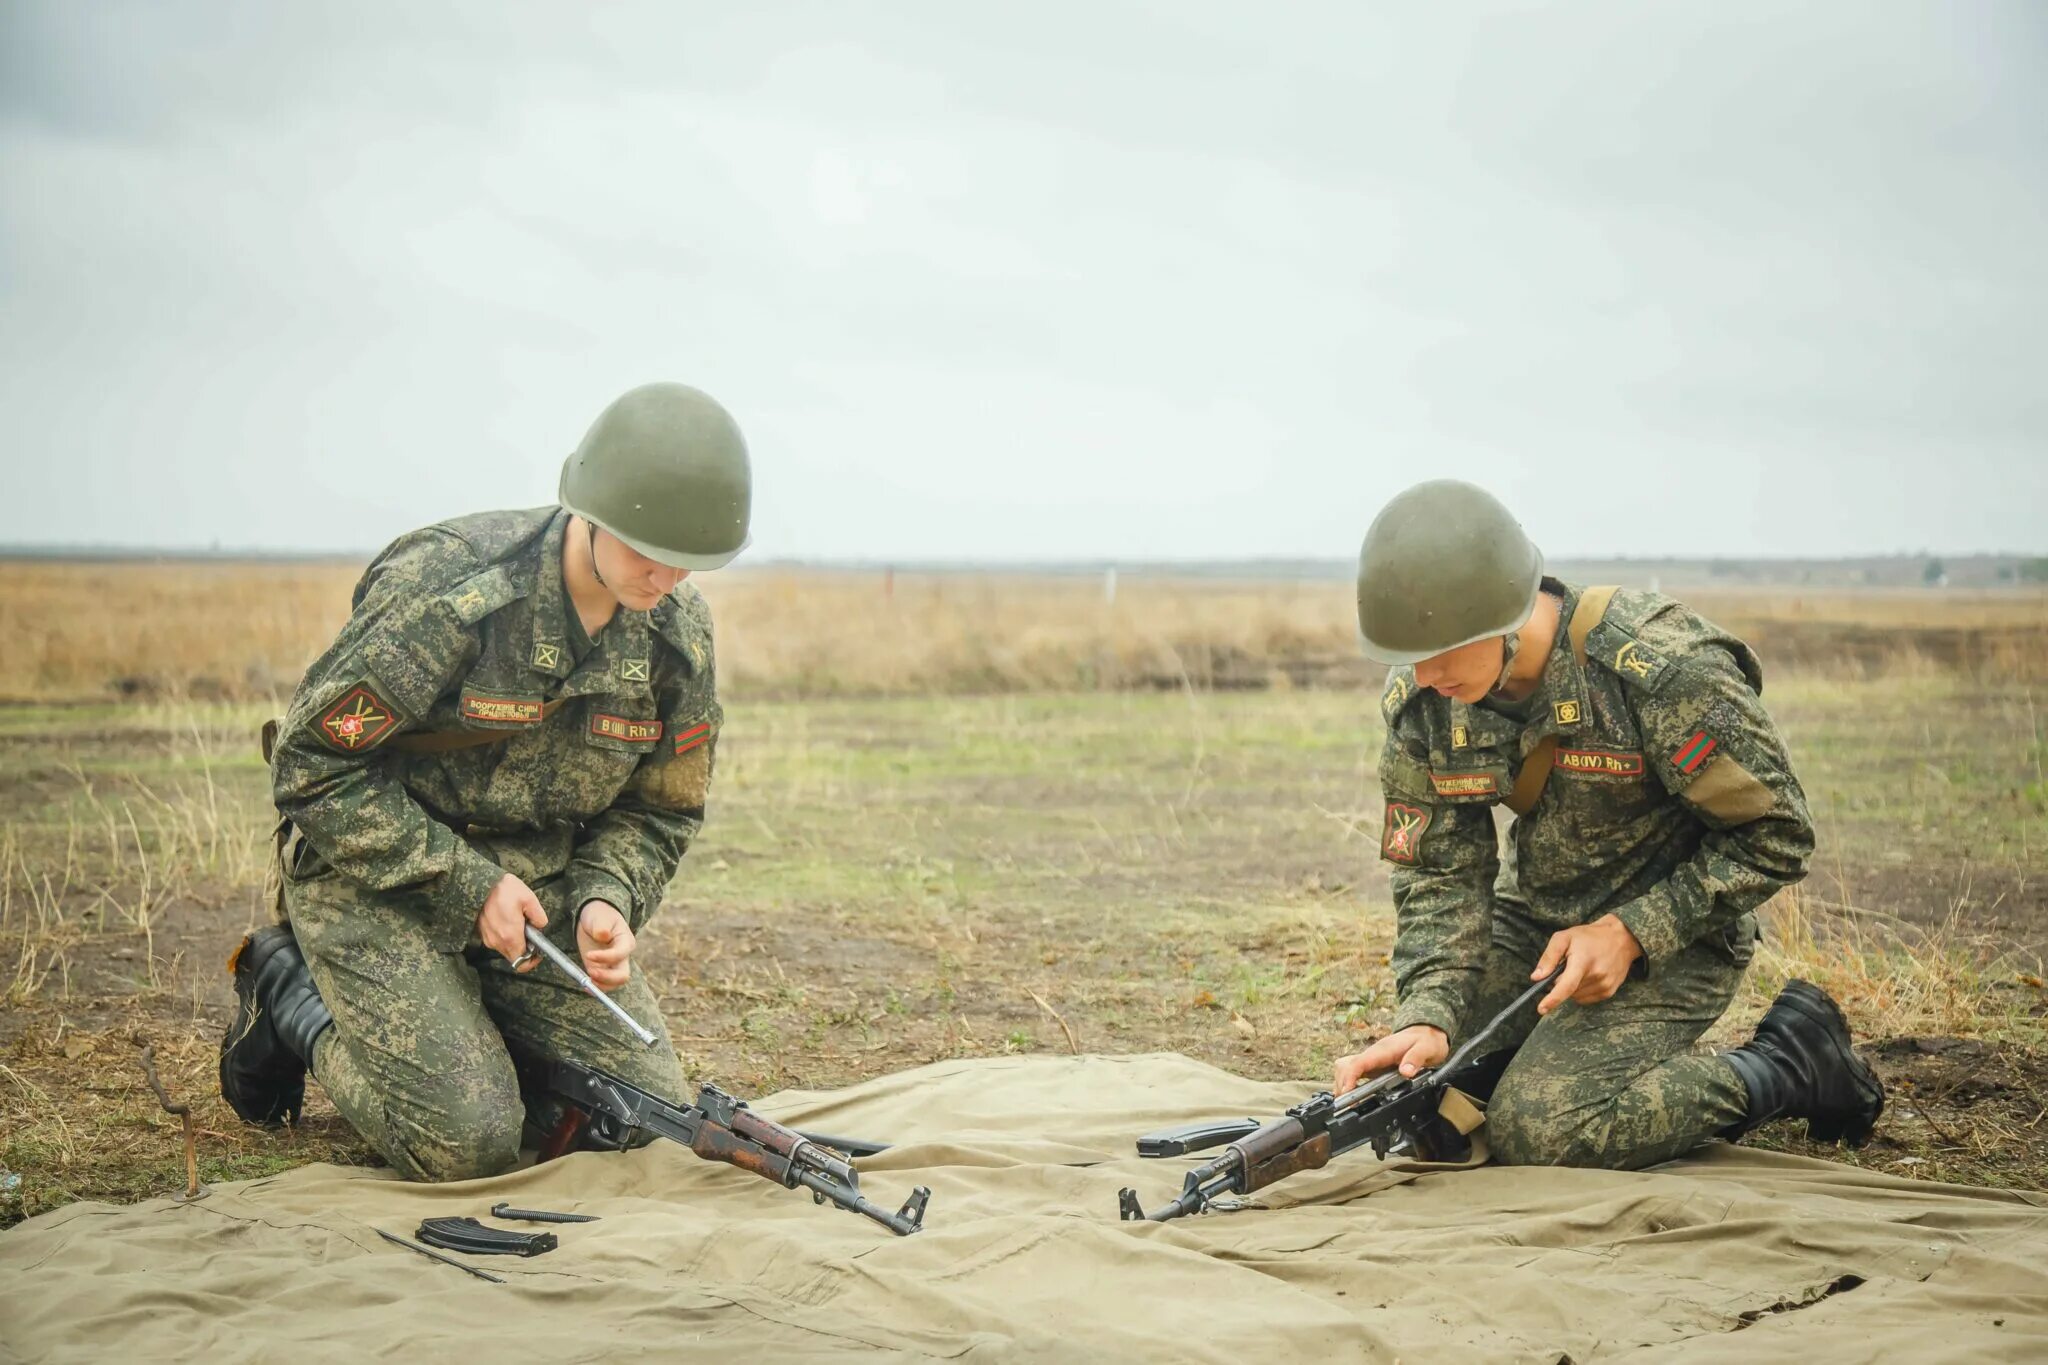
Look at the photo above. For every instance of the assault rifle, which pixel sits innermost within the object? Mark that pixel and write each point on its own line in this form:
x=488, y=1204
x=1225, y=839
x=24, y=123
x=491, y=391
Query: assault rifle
x=607, y=1112
x=1390, y=1113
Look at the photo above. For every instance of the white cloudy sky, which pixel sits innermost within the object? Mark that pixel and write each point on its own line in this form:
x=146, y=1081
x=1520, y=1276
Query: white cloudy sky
x=1035, y=281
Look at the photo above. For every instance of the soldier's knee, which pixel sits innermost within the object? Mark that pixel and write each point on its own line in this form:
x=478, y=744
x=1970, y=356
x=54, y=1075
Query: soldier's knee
x=1522, y=1129
x=471, y=1157
x=462, y=1134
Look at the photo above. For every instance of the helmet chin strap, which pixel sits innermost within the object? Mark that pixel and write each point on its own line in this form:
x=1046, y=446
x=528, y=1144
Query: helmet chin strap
x=1510, y=646
x=591, y=527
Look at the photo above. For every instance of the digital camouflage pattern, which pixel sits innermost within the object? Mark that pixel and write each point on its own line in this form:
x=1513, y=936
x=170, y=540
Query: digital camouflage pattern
x=417, y=1060
x=1671, y=803
x=400, y=824
x=1613, y=1085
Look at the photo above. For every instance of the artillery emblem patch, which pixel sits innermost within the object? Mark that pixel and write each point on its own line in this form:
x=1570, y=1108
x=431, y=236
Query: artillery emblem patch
x=546, y=656
x=1401, y=835
x=357, y=721
x=632, y=670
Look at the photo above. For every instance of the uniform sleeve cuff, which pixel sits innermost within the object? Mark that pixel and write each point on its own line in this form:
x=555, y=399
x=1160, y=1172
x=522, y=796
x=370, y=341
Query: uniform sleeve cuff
x=1433, y=1010
x=595, y=884
x=466, y=885
x=1655, y=926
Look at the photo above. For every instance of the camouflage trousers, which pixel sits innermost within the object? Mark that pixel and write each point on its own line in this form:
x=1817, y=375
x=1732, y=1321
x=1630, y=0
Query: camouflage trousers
x=418, y=1059
x=1616, y=1084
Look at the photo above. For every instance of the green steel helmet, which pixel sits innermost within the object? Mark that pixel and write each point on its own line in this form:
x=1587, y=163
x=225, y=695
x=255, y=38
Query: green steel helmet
x=1443, y=564
x=664, y=469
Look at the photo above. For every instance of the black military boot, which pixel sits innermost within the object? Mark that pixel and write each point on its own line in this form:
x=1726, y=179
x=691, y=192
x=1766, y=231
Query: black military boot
x=278, y=1017
x=1800, y=1066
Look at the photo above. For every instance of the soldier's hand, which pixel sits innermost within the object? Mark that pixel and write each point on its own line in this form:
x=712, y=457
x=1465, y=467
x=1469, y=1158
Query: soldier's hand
x=1412, y=1049
x=501, y=924
x=604, y=941
x=1596, y=960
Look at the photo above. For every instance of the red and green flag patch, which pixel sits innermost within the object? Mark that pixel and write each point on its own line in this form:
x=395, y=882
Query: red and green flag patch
x=1693, y=752
x=358, y=721
x=689, y=739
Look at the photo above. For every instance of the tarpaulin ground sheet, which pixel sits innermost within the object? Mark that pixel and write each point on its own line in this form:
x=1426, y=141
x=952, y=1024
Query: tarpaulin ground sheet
x=1734, y=1254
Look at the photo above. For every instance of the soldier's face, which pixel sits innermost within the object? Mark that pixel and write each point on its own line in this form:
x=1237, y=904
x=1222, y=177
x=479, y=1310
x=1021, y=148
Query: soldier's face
x=1466, y=673
x=637, y=581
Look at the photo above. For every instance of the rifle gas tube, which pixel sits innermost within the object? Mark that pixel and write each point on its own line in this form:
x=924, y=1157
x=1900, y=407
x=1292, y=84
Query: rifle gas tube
x=717, y=1127
x=1390, y=1113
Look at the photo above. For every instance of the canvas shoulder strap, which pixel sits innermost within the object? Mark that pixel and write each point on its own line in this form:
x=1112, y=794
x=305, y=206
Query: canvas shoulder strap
x=1535, y=774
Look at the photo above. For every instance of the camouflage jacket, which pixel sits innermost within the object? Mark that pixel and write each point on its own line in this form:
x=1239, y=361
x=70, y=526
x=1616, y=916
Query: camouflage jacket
x=1671, y=802
x=462, y=630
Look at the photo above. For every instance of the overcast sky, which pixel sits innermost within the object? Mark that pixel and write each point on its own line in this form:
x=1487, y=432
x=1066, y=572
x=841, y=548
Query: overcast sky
x=1035, y=281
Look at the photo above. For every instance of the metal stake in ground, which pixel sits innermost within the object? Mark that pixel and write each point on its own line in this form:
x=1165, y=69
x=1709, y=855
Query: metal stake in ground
x=193, y=1189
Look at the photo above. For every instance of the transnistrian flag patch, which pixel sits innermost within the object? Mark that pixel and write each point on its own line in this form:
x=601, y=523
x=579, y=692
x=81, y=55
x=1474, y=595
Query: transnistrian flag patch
x=1401, y=835
x=1599, y=763
x=624, y=728
x=1693, y=752
x=697, y=734
x=358, y=720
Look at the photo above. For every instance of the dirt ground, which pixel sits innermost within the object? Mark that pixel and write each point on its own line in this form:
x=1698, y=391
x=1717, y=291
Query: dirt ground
x=889, y=882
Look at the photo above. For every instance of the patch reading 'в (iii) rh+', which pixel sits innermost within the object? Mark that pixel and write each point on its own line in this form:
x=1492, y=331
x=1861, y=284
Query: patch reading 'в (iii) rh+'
x=620, y=727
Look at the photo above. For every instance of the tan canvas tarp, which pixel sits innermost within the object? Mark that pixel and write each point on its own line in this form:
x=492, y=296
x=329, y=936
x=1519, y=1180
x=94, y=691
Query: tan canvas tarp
x=1734, y=1255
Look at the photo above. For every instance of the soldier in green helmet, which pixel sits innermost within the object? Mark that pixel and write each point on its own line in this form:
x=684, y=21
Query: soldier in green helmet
x=1655, y=809
x=516, y=727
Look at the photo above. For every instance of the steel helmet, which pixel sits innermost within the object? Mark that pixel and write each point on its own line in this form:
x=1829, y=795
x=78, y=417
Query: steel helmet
x=665, y=469
x=1443, y=564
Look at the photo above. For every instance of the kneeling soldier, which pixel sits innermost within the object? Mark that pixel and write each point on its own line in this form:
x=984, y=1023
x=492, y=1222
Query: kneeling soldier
x=515, y=727
x=1655, y=809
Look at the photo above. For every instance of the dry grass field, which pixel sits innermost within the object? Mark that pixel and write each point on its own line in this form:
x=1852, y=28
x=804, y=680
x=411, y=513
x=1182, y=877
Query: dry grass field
x=243, y=632
x=973, y=815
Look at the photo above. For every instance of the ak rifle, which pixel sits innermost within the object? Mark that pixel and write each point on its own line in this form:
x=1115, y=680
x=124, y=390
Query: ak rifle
x=1391, y=1113
x=606, y=1112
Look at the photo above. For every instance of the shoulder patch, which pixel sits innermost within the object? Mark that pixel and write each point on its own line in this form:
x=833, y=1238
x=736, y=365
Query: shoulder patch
x=694, y=736
x=1694, y=752
x=1624, y=655
x=1401, y=832
x=1399, y=691
x=359, y=720
x=481, y=594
